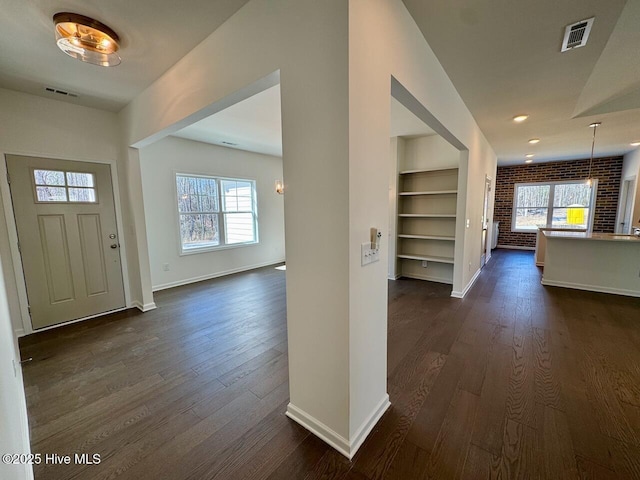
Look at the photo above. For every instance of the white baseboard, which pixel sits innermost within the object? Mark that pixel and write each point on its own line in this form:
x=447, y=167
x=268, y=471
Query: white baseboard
x=429, y=278
x=369, y=424
x=516, y=247
x=461, y=294
x=319, y=429
x=591, y=288
x=144, y=308
x=337, y=441
x=201, y=278
x=19, y=332
x=392, y=277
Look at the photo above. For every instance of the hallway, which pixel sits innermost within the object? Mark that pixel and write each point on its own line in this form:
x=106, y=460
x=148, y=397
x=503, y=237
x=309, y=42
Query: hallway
x=514, y=381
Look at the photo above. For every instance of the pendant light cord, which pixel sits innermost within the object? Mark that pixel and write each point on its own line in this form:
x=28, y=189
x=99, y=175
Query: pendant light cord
x=593, y=144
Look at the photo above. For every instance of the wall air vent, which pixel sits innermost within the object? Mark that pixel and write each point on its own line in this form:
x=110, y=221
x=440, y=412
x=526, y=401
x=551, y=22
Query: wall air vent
x=61, y=92
x=229, y=143
x=576, y=34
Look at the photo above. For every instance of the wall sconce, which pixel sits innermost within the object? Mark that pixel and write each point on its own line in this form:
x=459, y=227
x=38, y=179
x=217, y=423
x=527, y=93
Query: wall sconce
x=279, y=187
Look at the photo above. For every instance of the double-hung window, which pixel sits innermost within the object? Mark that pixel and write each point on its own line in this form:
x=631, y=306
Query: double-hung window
x=554, y=204
x=215, y=212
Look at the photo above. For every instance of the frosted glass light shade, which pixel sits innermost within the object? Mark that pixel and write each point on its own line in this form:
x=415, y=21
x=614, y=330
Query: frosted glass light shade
x=86, y=39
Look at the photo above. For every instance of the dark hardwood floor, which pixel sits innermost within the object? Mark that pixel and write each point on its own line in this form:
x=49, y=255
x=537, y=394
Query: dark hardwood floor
x=515, y=381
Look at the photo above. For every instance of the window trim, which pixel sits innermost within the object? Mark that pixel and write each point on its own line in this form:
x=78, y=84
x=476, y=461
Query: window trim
x=220, y=213
x=550, y=207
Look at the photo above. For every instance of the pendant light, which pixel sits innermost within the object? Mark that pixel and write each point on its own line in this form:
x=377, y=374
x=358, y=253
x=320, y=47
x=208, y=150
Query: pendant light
x=86, y=39
x=595, y=126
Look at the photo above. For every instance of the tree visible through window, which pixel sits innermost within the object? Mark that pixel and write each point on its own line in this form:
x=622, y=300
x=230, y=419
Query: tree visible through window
x=556, y=204
x=214, y=212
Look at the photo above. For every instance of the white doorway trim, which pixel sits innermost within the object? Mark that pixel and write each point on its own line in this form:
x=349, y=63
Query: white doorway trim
x=16, y=259
x=486, y=215
x=627, y=196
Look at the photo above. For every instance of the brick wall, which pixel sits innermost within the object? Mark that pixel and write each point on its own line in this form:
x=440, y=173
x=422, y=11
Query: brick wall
x=606, y=170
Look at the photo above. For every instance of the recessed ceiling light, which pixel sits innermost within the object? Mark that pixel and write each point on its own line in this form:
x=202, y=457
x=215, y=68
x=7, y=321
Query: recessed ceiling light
x=595, y=124
x=635, y=144
x=529, y=155
x=86, y=39
x=520, y=118
x=533, y=141
x=528, y=161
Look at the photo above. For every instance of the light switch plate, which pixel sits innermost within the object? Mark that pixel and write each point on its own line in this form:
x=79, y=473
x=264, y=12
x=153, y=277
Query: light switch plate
x=368, y=254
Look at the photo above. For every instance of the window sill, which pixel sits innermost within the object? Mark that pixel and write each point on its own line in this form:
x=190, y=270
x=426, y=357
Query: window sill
x=194, y=251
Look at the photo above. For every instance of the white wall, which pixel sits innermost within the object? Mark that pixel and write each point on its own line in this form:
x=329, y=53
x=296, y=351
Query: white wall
x=631, y=168
x=14, y=429
x=37, y=126
x=336, y=114
x=430, y=151
x=160, y=162
x=306, y=41
x=386, y=28
x=396, y=152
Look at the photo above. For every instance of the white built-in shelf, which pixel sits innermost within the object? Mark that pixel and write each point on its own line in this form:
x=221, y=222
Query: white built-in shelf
x=425, y=170
x=428, y=237
x=428, y=258
x=427, y=215
x=438, y=192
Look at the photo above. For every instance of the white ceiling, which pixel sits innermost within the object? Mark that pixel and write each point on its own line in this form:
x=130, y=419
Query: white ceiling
x=155, y=35
x=503, y=57
x=253, y=124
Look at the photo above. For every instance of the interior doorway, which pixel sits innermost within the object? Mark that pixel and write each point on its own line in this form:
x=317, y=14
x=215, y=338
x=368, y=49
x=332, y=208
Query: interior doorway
x=68, y=239
x=485, y=222
x=626, y=205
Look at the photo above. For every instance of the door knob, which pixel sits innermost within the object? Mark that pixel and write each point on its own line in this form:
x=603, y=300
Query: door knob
x=112, y=236
x=114, y=245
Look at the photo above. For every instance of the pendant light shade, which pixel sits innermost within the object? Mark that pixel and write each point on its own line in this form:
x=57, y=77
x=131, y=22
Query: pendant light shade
x=86, y=39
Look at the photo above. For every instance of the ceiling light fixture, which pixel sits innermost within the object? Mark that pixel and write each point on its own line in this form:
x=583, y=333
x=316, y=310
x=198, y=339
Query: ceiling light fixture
x=86, y=39
x=529, y=155
x=635, y=144
x=520, y=118
x=533, y=141
x=595, y=126
x=528, y=161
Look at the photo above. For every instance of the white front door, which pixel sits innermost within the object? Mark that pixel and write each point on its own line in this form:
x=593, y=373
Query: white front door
x=66, y=222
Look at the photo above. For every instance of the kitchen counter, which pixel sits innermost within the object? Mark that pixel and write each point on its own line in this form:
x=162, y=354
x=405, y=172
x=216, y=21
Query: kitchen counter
x=598, y=262
x=608, y=237
x=541, y=241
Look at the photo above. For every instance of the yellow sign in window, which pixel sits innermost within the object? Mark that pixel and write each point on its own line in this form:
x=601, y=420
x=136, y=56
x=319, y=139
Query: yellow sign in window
x=575, y=215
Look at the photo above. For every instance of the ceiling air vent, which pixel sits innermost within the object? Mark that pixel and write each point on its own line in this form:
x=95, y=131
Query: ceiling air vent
x=61, y=92
x=576, y=34
x=231, y=144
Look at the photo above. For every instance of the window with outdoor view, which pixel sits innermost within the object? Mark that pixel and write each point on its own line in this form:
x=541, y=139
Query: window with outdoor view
x=215, y=212
x=555, y=204
x=57, y=186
